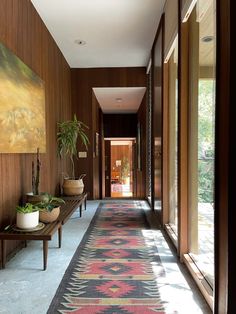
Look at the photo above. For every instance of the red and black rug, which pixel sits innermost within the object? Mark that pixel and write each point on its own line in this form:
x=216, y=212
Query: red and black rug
x=116, y=267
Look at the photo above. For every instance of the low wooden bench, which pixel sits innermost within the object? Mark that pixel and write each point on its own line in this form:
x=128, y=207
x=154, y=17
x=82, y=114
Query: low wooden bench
x=45, y=235
x=74, y=202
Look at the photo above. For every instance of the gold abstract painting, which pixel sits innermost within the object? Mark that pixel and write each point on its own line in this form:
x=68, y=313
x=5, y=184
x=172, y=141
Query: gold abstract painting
x=22, y=106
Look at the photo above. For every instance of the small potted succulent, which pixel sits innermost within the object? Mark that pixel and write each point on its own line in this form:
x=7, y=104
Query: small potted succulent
x=27, y=216
x=49, y=208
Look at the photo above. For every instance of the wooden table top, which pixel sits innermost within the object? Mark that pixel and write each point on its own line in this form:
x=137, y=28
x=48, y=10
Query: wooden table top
x=43, y=234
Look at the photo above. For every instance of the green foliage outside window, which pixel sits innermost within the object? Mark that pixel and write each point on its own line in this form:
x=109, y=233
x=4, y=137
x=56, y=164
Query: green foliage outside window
x=206, y=141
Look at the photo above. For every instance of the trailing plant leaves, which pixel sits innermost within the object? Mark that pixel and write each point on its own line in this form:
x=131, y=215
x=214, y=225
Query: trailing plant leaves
x=69, y=133
x=49, y=202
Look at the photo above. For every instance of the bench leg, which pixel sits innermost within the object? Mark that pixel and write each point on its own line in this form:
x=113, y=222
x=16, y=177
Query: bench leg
x=45, y=254
x=80, y=210
x=59, y=236
x=85, y=203
x=3, y=242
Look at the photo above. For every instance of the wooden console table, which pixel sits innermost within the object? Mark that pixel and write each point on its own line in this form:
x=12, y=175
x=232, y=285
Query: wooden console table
x=45, y=235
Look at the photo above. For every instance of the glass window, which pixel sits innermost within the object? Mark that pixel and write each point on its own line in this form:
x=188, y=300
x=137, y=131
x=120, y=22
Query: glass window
x=173, y=138
x=202, y=39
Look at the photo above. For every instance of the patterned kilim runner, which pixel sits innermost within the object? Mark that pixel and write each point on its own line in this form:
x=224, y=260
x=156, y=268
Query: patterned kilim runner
x=112, y=271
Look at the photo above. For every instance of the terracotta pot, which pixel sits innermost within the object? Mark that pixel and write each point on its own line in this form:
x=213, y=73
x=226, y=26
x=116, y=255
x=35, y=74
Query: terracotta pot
x=47, y=217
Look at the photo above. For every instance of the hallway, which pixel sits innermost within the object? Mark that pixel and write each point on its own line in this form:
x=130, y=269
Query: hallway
x=21, y=292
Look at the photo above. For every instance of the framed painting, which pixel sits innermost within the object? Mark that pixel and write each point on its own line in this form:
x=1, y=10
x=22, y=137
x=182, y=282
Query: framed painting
x=22, y=106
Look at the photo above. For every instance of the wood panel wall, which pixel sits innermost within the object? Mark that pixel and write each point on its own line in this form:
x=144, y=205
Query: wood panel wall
x=225, y=170
x=157, y=74
x=141, y=174
x=83, y=81
x=96, y=118
x=23, y=32
x=120, y=125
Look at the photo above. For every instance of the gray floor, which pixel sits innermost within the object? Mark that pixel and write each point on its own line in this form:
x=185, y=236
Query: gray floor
x=26, y=289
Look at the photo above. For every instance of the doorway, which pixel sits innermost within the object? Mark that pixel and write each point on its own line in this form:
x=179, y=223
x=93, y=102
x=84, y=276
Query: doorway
x=119, y=166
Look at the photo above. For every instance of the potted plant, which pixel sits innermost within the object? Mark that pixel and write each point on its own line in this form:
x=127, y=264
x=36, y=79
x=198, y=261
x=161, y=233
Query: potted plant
x=27, y=216
x=125, y=170
x=35, y=196
x=70, y=132
x=49, y=208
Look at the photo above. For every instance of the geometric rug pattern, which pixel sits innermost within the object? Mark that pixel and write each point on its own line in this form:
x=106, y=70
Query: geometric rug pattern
x=115, y=269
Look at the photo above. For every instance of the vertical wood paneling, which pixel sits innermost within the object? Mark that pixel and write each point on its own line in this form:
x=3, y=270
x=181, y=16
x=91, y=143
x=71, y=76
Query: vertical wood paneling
x=224, y=291
x=96, y=158
x=166, y=138
x=183, y=101
x=22, y=31
x=83, y=80
x=141, y=174
x=120, y=125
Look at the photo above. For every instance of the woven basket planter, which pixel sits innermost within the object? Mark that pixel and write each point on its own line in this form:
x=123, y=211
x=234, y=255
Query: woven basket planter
x=73, y=187
x=47, y=217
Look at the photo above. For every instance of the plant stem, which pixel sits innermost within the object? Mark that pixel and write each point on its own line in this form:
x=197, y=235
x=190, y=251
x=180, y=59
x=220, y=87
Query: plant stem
x=37, y=173
x=73, y=167
x=33, y=179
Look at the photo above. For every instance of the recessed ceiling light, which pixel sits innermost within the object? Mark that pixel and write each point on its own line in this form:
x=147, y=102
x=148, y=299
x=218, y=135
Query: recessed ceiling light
x=80, y=42
x=119, y=99
x=207, y=39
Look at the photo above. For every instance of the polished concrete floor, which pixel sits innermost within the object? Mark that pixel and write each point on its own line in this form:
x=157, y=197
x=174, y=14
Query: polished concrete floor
x=26, y=289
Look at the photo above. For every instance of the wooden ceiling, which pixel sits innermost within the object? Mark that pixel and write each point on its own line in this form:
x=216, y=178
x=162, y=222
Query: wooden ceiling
x=206, y=18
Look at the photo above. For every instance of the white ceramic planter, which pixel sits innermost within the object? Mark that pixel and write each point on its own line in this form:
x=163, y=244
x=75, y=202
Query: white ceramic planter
x=27, y=221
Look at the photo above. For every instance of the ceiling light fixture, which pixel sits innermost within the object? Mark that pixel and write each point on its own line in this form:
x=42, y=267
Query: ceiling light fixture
x=207, y=39
x=80, y=42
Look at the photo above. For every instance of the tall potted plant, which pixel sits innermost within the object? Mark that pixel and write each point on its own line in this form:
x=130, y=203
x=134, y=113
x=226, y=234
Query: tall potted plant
x=35, y=196
x=70, y=132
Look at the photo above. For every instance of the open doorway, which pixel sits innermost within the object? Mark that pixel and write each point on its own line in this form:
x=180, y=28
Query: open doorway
x=119, y=165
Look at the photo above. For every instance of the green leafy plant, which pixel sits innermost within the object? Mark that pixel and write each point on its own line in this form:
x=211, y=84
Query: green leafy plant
x=27, y=208
x=49, y=202
x=125, y=168
x=67, y=137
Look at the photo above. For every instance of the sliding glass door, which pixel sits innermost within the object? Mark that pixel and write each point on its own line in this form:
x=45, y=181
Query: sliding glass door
x=202, y=48
x=173, y=139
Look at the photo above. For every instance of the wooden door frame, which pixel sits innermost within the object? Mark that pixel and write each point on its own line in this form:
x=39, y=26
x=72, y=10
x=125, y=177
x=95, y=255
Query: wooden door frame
x=225, y=301
x=107, y=147
x=134, y=163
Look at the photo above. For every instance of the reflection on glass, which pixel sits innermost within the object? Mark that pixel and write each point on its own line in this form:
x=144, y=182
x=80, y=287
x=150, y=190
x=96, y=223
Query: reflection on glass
x=202, y=135
x=173, y=139
x=157, y=123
